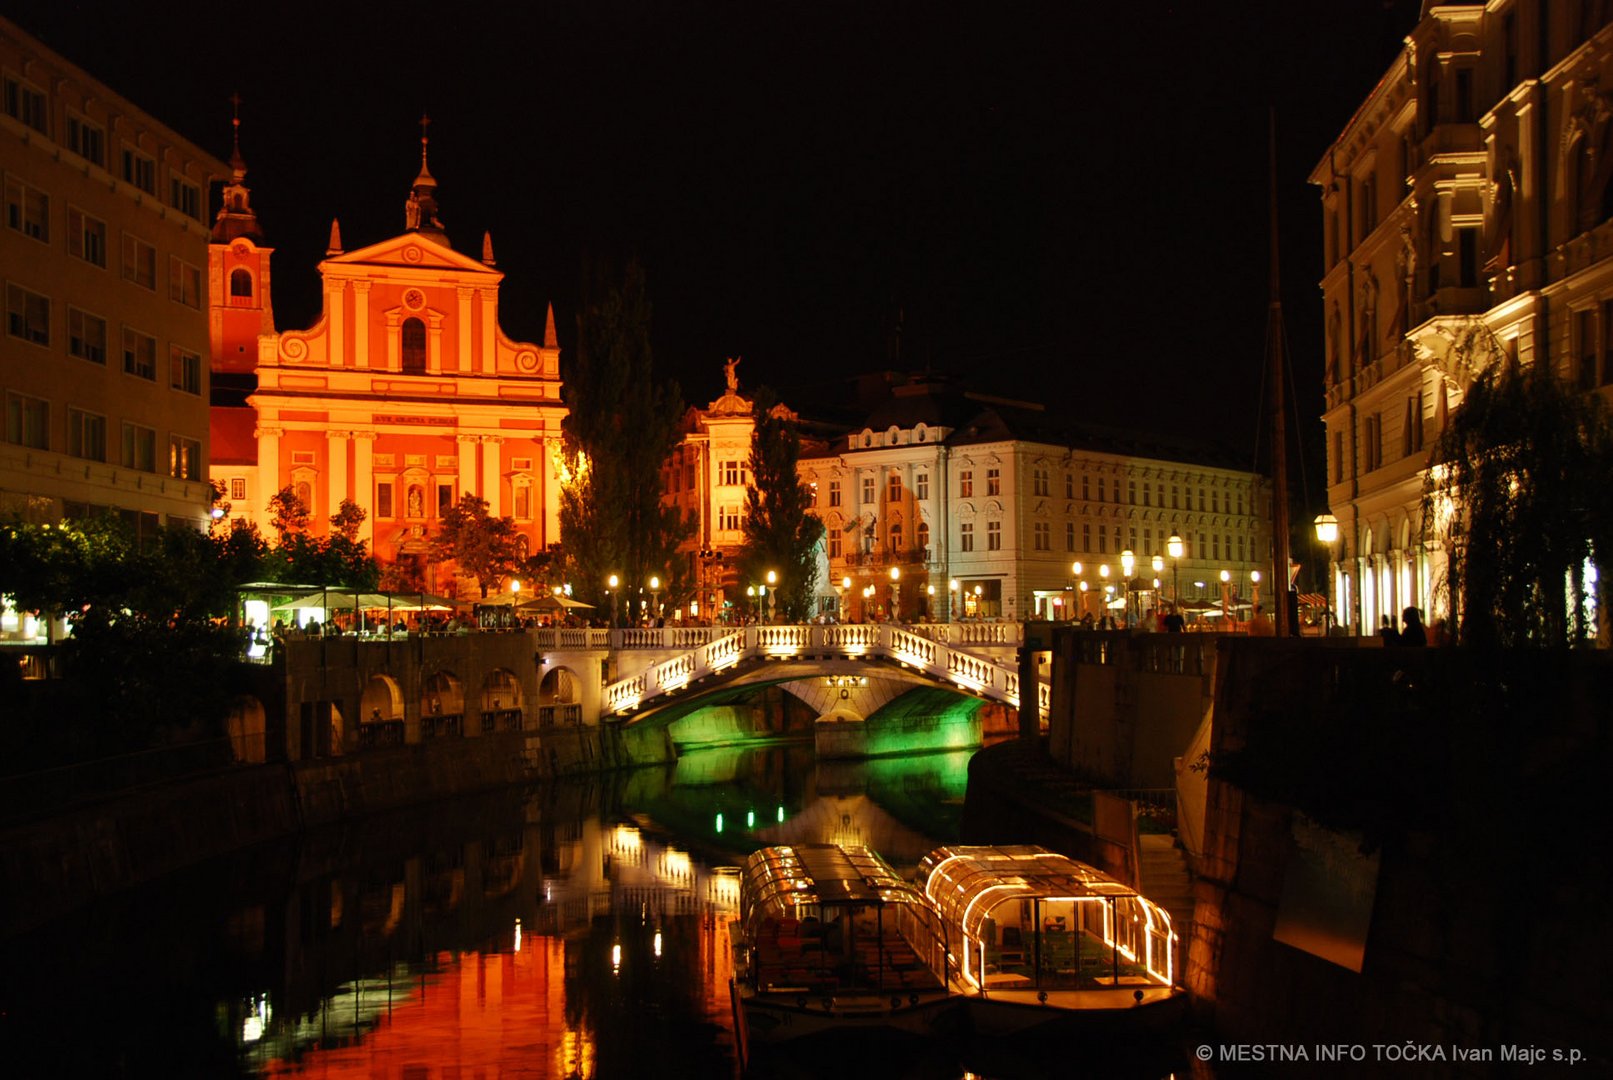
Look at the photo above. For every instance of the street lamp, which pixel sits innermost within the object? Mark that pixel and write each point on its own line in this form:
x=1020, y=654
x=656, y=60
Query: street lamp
x=1226, y=592
x=750, y=592
x=1327, y=531
x=1128, y=563
x=1076, y=590
x=1254, y=584
x=610, y=597
x=896, y=594
x=655, y=597
x=845, y=587
x=1174, y=548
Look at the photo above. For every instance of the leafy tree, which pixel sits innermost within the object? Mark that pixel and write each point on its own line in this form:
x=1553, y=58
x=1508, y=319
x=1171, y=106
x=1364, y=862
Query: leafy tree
x=322, y=560
x=482, y=547
x=289, y=514
x=1516, y=494
x=621, y=427
x=779, y=532
x=348, y=519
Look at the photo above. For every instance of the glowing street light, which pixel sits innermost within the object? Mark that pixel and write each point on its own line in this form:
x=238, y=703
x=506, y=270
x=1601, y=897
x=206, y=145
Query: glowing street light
x=1175, y=549
x=952, y=601
x=1226, y=593
x=655, y=596
x=769, y=592
x=611, y=588
x=896, y=594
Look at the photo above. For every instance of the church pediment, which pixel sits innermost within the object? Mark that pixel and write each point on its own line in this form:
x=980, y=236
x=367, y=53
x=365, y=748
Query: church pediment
x=413, y=251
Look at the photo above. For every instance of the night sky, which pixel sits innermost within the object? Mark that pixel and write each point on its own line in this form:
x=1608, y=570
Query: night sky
x=1064, y=203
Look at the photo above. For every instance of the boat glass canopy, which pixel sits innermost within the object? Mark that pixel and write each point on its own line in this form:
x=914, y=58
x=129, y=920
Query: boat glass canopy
x=780, y=880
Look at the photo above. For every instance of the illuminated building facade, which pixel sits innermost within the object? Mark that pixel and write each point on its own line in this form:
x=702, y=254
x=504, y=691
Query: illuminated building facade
x=1467, y=213
x=103, y=250
x=982, y=507
x=404, y=396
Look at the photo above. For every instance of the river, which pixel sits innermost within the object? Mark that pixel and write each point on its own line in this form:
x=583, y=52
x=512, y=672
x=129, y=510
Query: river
x=578, y=929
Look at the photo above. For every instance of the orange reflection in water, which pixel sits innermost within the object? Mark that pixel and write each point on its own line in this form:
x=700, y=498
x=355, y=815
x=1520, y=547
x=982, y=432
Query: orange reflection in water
x=499, y=1011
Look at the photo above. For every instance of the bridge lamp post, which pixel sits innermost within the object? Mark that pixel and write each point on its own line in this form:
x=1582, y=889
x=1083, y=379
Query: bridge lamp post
x=952, y=602
x=611, y=589
x=750, y=593
x=1254, y=585
x=1158, y=565
x=929, y=591
x=1226, y=596
x=1128, y=563
x=1175, y=548
x=771, y=593
x=896, y=594
x=1076, y=589
x=655, y=597
x=844, y=591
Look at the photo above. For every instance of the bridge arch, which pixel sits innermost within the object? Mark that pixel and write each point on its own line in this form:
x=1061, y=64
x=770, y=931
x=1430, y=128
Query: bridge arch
x=442, y=705
x=501, y=701
x=380, y=713
x=247, y=730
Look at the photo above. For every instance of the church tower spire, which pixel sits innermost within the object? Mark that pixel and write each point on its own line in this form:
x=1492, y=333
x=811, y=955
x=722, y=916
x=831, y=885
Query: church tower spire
x=235, y=215
x=420, y=209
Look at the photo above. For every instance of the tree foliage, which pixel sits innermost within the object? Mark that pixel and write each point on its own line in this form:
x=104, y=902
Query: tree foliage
x=288, y=513
x=482, y=547
x=348, y=520
x=1517, y=496
x=621, y=427
x=779, y=532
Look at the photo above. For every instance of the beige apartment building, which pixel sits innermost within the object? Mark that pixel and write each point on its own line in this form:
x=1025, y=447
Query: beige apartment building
x=103, y=262
x=1467, y=214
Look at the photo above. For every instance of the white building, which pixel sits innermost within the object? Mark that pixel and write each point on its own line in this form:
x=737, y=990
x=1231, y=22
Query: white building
x=1466, y=212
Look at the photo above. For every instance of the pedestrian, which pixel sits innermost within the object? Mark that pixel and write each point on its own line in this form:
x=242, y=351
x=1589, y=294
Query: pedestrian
x=1412, y=632
x=1387, y=631
x=1174, y=623
x=1260, y=625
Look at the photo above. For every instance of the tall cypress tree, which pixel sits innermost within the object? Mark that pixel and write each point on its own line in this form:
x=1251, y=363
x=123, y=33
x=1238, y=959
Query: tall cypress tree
x=622, y=425
x=780, y=534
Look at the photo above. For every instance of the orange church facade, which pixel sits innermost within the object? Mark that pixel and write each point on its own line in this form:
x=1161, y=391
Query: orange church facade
x=404, y=396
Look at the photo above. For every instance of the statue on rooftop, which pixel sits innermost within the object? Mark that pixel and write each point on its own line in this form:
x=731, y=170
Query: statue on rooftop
x=730, y=374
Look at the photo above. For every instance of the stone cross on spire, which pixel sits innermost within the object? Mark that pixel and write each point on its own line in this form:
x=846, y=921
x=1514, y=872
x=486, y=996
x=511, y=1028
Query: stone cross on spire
x=235, y=214
x=420, y=210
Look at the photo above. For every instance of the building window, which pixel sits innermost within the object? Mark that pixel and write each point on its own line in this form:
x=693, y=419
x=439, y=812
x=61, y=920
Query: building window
x=140, y=170
x=139, y=354
x=1371, y=447
x=1215, y=502
x=1103, y=490
x=383, y=499
x=28, y=421
x=1103, y=539
x=834, y=543
x=521, y=488
x=1215, y=546
x=1467, y=250
x=27, y=104
x=994, y=484
x=1148, y=493
x=414, y=347
x=139, y=448
x=27, y=210
x=924, y=539
x=732, y=474
x=445, y=497
x=868, y=491
x=1069, y=536
x=1585, y=333
x=1039, y=484
x=240, y=282
x=139, y=262
x=184, y=283
x=1412, y=435
x=238, y=488
x=994, y=536
x=966, y=484
x=185, y=197
x=1043, y=536
x=728, y=518
x=86, y=237
x=834, y=493
x=921, y=487
x=894, y=540
x=184, y=370
x=1148, y=542
x=87, y=140
x=86, y=336
x=966, y=536
x=27, y=315
x=1175, y=494
x=1069, y=485
x=184, y=458
x=893, y=489
x=1086, y=537
x=1131, y=492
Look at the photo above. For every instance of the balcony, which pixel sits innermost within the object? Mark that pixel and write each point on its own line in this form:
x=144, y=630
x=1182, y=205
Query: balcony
x=881, y=559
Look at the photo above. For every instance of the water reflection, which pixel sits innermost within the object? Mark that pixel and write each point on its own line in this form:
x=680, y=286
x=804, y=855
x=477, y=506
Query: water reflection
x=578, y=930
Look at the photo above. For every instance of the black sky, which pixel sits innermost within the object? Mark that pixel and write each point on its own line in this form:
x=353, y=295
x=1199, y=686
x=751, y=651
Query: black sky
x=1065, y=202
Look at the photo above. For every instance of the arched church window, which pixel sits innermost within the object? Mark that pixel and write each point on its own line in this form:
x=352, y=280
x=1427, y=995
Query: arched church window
x=240, y=283
x=414, y=347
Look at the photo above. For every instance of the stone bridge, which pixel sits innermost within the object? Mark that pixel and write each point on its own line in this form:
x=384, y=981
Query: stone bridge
x=907, y=677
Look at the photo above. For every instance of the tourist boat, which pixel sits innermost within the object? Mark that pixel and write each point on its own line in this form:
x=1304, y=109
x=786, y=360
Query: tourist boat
x=831, y=942
x=1046, y=943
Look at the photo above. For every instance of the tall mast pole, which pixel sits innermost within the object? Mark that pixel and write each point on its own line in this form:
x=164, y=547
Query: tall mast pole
x=1279, y=432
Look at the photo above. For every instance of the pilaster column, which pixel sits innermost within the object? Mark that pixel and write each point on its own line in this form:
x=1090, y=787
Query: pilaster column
x=433, y=343
x=492, y=486
x=364, y=482
x=489, y=342
x=467, y=464
x=549, y=491
x=336, y=477
x=465, y=362
x=269, y=462
x=336, y=316
x=361, y=325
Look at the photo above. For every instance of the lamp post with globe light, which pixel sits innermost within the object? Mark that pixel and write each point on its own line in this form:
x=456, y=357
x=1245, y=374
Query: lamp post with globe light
x=1327, y=531
x=655, y=599
x=896, y=594
x=1226, y=594
x=769, y=593
x=1175, y=549
x=611, y=584
x=1128, y=563
x=1158, y=565
x=1077, y=589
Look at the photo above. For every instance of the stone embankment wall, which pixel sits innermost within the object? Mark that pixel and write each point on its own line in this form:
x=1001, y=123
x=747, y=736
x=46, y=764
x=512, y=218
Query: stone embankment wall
x=56, y=865
x=1479, y=785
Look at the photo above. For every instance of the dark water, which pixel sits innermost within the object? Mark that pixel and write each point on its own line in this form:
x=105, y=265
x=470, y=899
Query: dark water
x=575, y=930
